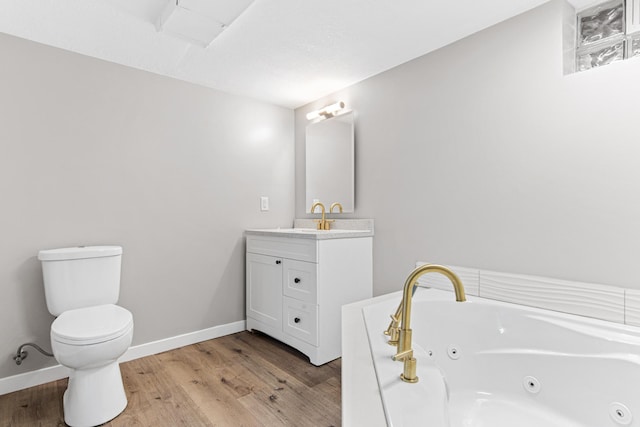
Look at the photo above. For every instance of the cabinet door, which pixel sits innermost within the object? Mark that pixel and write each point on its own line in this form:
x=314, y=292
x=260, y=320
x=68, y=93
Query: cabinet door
x=264, y=289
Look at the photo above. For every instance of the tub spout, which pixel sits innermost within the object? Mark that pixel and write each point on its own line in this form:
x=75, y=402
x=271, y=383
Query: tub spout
x=403, y=332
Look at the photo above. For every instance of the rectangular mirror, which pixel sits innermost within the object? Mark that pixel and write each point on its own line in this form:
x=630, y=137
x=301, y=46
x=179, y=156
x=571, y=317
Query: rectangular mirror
x=329, y=149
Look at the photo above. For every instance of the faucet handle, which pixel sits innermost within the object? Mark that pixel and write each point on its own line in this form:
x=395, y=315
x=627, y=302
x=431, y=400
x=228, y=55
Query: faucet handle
x=410, y=364
x=403, y=355
x=327, y=223
x=393, y=331
x=320, y=224
x=395, y=321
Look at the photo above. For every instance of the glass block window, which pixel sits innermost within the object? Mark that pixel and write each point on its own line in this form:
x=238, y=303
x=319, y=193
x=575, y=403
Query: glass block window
x=601, y=35
x=600, y=55
x=634, y=45
x=601, y=22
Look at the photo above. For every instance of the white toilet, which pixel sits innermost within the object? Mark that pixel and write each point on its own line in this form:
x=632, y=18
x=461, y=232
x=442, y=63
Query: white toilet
x=90, y=333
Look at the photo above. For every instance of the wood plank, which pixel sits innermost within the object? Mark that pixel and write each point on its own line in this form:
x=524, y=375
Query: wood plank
x=154, y=398
x=287, y=397
x=291, y=408
x=35, y=406
x=214, y=394
x=297, y=365
x=244, y=379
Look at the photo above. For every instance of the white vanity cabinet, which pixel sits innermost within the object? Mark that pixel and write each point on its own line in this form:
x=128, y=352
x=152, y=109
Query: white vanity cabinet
x=297, y=284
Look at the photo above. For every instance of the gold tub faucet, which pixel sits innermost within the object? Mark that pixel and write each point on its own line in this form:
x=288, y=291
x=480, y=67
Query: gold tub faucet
x=402, y=333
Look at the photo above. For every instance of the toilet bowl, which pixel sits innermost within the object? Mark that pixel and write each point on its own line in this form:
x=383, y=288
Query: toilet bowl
x=89, y=341
x=90, y=333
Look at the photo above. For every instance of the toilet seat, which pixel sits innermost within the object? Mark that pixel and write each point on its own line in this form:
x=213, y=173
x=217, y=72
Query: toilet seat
x=91, y=325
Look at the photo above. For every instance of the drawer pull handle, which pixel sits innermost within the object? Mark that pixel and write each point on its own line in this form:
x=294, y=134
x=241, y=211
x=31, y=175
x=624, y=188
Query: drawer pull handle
x=278, y=261
x=297, y=280
x=297, y=320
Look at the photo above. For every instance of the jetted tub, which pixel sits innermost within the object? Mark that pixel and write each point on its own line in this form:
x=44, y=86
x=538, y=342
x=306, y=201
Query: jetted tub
x=484, y=363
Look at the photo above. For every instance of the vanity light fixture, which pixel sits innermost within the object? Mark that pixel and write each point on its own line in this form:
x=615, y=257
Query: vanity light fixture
x=326, y=112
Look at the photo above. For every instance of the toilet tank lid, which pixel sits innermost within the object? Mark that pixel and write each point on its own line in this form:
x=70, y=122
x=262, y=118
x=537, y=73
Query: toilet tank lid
x=79, y=252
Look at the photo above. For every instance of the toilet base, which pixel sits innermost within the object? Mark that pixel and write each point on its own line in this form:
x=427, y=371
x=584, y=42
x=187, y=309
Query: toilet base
x=94, y=396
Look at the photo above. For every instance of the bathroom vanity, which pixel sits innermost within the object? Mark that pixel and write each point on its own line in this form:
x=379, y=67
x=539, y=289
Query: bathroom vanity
x=298, y=279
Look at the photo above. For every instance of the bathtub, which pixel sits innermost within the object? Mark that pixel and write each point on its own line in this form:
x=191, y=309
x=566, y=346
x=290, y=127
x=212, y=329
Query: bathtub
x=485, y=363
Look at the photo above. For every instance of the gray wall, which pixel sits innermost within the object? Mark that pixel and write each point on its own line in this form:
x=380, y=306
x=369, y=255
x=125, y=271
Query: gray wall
x=96, y=153
x=483, y=154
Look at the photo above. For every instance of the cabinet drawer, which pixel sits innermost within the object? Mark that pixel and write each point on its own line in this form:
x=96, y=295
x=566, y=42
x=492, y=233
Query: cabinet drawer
x=300, y=280
x=300, y=249
x=300, y=320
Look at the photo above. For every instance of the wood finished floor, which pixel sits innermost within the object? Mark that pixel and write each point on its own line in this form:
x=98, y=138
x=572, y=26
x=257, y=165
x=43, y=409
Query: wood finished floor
x=244, y=379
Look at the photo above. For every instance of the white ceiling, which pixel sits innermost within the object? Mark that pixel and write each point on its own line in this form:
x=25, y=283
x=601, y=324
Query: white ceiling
x=286, y=52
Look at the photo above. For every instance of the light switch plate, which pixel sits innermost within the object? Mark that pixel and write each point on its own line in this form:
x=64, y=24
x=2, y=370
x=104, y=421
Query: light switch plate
x=264, y=203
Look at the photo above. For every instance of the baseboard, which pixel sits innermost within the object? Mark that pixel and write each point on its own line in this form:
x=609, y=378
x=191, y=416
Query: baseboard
x=32, y=378
x=54, y=373
x=178, y=341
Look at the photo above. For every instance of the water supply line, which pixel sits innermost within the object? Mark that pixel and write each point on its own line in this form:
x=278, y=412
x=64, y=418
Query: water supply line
x=22, y=354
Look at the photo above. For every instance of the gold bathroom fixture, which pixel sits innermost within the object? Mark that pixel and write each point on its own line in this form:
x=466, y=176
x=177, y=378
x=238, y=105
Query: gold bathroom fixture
x=322, y=222
x=335, y=205
x=403, y=314
x=393, y=331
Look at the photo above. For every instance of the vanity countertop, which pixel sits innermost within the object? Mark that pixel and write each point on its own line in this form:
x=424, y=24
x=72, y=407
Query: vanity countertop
x=305, y=229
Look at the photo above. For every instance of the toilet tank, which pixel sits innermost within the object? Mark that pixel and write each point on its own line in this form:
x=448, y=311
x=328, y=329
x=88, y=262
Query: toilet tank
x=79, y=277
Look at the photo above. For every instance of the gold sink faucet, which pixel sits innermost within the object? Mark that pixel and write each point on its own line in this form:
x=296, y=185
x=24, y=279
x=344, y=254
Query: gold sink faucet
x=327, y=223
x=322, y=223
x=403, y=315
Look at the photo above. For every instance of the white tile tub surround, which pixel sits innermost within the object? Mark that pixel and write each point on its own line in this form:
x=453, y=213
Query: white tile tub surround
x=604, y=302
x=632, y=307
x=584, y=299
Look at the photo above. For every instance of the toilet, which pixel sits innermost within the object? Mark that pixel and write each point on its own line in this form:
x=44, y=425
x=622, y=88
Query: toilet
x=90, y=332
